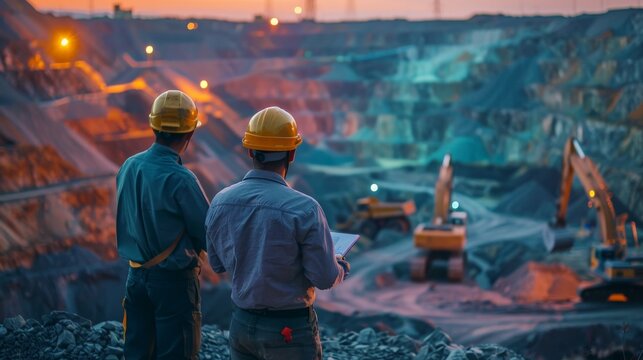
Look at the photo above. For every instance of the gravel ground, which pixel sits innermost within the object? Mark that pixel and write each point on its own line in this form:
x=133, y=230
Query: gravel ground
x=63, y=335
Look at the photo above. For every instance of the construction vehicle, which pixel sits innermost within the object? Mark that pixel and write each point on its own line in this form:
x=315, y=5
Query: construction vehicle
x=621, y=275
x=371, y=215
x=441, y=242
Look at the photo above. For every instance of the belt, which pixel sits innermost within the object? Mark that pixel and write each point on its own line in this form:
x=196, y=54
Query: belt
x=291, y=313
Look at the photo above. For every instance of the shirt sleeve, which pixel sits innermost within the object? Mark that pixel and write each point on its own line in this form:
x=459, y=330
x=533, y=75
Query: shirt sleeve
x=318, y=251
x=210, y=234
x=194, y=206
x=215, y=262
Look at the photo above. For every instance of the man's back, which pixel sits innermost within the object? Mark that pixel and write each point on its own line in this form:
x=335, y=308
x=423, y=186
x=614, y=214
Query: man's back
x=158, y=199
x=273, y=240
x=159, y=229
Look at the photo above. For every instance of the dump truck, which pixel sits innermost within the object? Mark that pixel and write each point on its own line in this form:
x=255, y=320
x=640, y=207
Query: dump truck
x=371, y=215
x=441, y=242
x=620, y=274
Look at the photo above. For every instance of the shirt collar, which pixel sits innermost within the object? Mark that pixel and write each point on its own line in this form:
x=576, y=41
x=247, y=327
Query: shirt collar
x=162, y=150
x=265, y=175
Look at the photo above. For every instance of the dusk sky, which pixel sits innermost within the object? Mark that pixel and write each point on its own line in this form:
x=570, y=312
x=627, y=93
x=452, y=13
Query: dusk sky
x=335, y=9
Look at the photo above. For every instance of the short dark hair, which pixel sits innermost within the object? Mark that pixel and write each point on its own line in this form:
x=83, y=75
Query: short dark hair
x=166, y=138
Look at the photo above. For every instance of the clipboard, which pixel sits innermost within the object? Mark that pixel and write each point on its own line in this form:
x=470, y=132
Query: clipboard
x=343, y=242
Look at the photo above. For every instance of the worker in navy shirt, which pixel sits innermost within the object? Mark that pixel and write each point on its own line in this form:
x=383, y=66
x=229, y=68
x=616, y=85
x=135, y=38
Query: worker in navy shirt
x=161, y=208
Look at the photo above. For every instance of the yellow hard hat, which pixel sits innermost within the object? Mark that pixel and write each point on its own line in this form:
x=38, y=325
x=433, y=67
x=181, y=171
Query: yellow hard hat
x=272, y=129
x=174, y=112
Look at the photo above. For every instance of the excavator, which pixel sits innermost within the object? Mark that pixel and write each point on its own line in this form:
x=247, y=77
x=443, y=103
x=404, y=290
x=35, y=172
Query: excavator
x=441, y=243
x=621, y=275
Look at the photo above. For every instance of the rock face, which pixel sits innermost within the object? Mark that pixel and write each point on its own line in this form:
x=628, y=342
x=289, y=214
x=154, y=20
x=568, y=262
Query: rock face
x=68, y=336
x=24, y=167
x=57, y=220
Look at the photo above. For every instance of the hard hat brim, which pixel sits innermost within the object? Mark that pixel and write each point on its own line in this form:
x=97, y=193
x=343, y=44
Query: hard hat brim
x=176, y=130
x=271, y=143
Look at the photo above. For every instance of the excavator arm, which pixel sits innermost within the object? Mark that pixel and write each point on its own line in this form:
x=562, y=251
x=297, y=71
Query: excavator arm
x=575, y=162
x=443, y=192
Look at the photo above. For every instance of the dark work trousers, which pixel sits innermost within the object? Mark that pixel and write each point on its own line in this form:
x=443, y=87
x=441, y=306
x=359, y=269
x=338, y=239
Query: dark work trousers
x=163, y=314
x=255, y=336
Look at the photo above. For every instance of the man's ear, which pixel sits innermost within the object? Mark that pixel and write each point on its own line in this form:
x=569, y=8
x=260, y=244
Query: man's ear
x=250, y=154
x=291, y=156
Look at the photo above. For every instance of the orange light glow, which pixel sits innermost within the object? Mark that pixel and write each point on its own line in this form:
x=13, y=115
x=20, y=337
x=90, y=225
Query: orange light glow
x=298, y=10
x=64, y=42
x=617, y=298
x=274, y=21
x=149, y=49
x=203, y=84
x=592, y=193
x=192, y=26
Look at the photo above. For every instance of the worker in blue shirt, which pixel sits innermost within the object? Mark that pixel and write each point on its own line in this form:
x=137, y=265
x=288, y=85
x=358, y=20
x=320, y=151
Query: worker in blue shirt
x=161, y=208
x=275, y=244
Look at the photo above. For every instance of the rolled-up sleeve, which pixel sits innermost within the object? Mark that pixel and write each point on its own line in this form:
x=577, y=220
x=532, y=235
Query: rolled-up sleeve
x=318, y=252
x=194, y=206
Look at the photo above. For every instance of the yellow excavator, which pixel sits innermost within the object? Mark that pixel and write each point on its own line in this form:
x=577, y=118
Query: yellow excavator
x=621, y=275
x=441, y=242
x=371, y=215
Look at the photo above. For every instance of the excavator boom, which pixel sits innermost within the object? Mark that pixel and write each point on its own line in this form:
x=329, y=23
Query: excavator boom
x=443, y=192
x=575, y=162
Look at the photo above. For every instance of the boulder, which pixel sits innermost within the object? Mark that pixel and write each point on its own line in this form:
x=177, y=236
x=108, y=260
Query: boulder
x=14, y=323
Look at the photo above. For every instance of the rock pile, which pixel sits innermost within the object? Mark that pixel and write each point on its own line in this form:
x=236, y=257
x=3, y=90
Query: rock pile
x=534, y=282
x=438, y=345
x=63, y=335
x=368, y=344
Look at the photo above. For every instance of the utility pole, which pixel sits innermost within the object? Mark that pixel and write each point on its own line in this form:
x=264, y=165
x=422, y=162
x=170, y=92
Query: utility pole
x=350, y=9
x=310, y=10
x=437, y=9
x=268, y=9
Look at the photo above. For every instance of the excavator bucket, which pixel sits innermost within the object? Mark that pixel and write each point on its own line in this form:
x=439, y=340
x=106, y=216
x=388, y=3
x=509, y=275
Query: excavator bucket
x=558, y=239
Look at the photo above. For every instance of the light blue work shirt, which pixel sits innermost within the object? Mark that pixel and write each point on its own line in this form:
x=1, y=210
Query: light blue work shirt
x=157, y=199
x=273, y=240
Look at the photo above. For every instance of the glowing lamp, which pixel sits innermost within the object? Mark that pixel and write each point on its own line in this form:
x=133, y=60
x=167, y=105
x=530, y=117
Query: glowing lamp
x=203, y=84
x=274, y=21
x=192, y=25
x=64, y=42
x=374, y=187
x=149, y=49
x=455, y=204
x=298, y=10
x=592, y=194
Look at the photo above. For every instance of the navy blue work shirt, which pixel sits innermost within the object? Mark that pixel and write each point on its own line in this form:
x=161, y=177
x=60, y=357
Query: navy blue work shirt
x=157, y=199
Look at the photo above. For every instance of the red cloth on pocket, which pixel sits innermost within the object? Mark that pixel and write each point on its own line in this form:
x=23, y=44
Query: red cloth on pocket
x=286, y=332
